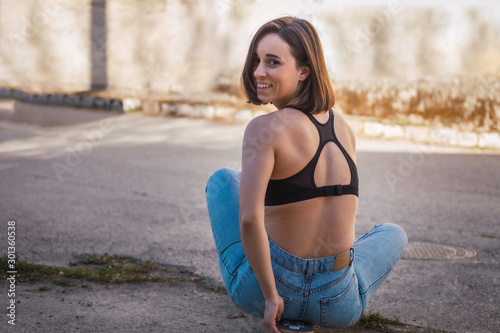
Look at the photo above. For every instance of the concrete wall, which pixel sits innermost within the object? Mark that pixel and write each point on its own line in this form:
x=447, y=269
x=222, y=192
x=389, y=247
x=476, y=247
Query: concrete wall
x=45, y=45
x=188, y=47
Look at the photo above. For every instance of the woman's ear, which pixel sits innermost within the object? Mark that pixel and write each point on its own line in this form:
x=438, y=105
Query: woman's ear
x=305, y=71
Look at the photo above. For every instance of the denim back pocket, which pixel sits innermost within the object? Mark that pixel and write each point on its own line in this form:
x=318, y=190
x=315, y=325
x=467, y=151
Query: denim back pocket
x=343, y=310
x=291, y=297
x=285, y=314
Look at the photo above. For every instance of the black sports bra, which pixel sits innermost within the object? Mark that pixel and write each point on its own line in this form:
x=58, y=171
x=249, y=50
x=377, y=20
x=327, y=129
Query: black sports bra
x=301, y=186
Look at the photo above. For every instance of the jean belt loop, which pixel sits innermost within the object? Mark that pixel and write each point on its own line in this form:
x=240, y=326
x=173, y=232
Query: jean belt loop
x=351, y=255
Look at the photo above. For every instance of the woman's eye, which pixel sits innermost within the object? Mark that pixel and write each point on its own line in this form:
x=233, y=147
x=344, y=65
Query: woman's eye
x=256, y=60
x=273, y=62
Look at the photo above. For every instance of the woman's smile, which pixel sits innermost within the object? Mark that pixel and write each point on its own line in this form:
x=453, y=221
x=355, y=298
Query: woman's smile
x=262, y=86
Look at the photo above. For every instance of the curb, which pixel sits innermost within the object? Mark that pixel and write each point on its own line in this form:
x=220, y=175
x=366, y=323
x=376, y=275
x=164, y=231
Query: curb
x=441, y=135
x=63, y=99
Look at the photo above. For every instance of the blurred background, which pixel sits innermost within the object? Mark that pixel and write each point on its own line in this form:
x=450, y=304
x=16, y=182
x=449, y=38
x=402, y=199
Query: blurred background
x=413, y=62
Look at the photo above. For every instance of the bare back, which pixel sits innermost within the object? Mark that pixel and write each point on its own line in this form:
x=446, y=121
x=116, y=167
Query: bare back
x=322, y=226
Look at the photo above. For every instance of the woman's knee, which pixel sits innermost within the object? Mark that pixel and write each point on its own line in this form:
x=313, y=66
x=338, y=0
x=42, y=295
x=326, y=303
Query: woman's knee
x=220, y=180
x=396, y=235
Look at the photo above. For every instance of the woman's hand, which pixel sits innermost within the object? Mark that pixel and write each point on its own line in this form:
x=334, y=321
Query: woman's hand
x=272, y=313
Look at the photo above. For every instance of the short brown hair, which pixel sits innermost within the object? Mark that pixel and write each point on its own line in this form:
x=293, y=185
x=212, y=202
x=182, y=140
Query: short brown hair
x=316, y=93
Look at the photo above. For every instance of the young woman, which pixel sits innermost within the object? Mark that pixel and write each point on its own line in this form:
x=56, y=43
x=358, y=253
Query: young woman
x=284, y=226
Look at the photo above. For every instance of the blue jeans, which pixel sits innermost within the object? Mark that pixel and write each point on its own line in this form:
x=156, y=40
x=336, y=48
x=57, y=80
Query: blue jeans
x=311, y=289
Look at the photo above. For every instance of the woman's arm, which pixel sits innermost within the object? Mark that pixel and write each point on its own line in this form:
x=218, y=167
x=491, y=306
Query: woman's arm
x=257, y=166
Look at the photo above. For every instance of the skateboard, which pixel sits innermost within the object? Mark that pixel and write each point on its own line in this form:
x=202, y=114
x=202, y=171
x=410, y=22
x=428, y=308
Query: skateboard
x=289, y=326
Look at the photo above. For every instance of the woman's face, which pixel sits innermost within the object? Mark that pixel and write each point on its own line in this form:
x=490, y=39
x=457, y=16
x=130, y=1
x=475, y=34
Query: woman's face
x=275, y=71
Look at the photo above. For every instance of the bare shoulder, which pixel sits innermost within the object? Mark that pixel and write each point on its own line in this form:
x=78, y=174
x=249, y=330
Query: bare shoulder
x=340, y=117
x=345, y=126
x=256, y=124
x=258, y=134
x=275, y=123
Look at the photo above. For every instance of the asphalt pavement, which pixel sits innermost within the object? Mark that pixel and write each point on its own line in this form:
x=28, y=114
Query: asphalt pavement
x=79, y=181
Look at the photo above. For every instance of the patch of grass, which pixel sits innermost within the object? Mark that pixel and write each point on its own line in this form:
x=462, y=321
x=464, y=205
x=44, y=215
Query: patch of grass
x=115, y=268
x=63, y=282
x=374, y=320
x=43, y=288
x=488, y=236
x=220, y=290
x=104, y=268
x=33, y=272
x=105, y=259
x=202, y=283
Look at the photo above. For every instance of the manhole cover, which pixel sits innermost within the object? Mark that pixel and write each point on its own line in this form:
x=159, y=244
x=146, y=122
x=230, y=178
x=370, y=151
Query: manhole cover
x=422, y=250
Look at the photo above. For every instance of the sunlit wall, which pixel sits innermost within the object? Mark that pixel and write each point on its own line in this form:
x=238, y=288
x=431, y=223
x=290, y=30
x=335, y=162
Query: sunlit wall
x=158, y=47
